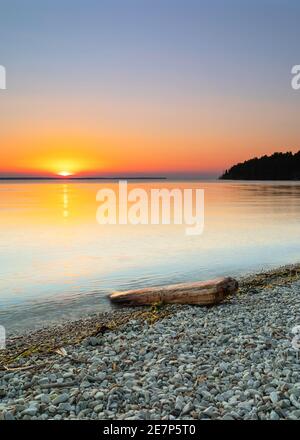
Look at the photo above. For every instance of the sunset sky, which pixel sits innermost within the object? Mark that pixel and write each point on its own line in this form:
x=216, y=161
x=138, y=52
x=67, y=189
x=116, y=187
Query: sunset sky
x=146, y=87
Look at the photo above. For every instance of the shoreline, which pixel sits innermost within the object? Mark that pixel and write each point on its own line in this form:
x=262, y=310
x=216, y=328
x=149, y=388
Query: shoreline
x=229, y=361
x=46, y=339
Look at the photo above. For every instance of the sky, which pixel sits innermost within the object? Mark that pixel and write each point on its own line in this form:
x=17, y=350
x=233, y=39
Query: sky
x=146, y=87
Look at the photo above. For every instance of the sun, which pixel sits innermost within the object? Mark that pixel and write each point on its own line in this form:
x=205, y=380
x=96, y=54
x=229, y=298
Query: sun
x=65, y=173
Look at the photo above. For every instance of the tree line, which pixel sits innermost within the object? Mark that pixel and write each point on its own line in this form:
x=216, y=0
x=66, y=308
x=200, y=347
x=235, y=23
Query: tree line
x=278, y=166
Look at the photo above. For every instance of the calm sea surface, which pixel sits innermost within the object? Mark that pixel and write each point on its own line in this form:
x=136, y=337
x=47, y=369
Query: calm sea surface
x=57, y=262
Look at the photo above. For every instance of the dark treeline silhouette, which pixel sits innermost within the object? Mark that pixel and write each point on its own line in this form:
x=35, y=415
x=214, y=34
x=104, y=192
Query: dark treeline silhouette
x=279, y=166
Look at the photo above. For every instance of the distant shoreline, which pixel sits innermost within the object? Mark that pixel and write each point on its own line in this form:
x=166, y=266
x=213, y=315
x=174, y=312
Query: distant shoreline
x=85, y=178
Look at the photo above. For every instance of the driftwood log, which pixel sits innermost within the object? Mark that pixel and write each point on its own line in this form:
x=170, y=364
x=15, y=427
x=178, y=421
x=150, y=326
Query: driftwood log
x=200, y=293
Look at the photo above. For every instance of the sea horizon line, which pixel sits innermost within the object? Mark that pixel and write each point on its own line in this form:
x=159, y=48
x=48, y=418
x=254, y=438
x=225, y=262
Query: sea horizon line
x=86, y=178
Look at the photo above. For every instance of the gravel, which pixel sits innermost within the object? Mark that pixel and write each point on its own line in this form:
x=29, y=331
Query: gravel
x=232, y=361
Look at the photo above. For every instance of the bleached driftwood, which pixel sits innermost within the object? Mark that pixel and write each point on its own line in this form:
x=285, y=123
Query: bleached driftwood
x=200, y=293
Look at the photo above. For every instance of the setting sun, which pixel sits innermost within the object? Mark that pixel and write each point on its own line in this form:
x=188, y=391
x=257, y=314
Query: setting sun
x=65, y=173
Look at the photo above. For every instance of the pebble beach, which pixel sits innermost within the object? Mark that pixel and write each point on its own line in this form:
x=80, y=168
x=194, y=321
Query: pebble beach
x=231, y=361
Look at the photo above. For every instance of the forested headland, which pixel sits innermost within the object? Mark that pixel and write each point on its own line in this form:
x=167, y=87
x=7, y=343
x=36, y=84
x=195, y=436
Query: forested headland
x=278, y=166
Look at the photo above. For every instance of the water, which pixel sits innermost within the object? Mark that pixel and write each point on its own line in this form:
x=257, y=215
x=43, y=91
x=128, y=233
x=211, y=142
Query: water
x=57, y=262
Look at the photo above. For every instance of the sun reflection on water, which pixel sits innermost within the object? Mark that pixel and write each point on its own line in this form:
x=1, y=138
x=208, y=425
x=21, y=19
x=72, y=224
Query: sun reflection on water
x=65, y=201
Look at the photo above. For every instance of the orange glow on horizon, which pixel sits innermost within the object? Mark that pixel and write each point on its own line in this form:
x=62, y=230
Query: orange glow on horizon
x=124, y=153
x=106, y=136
